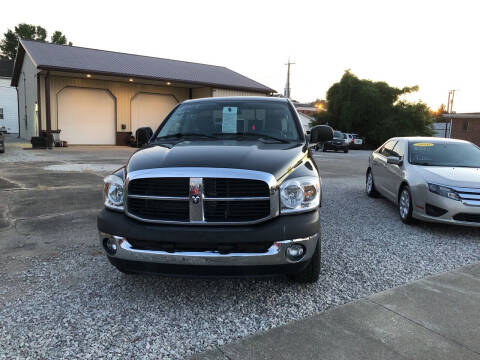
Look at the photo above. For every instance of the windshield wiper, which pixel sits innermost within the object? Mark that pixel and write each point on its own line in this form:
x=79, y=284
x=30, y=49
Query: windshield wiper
x=422, y=164
x=258, y=136
x=182, y=135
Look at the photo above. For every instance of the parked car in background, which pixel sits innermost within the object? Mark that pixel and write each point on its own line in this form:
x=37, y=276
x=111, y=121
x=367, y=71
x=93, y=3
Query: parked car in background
x=430, y=179
x=349, y=139
x=358, y=142
x=339, y=142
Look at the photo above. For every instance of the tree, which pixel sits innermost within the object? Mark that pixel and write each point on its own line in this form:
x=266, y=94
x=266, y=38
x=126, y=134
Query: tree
x=9, y=43
x=372, y=109
x=59, y=38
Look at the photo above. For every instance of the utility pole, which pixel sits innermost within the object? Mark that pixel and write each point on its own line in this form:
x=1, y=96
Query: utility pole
x=287, y=85
x=451, y=97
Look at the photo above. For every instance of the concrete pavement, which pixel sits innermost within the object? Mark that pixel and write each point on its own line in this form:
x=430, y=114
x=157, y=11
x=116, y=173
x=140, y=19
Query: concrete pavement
x=437, y=317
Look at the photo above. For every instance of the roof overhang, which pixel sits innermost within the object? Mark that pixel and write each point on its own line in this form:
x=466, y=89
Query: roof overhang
x=152, y=78
x=461, y=116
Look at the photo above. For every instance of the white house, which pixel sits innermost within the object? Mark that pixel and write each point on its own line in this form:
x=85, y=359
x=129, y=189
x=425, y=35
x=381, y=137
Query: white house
x=8, y=98
x=101, y=97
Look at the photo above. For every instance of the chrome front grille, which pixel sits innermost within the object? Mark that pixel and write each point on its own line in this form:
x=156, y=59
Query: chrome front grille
x=201, y=196
x=469, y=196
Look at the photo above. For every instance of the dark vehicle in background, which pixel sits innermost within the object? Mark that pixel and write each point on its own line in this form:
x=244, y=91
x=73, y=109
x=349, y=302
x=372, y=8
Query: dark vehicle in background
x=3, y=131
x=224, y=187
x=338, y=142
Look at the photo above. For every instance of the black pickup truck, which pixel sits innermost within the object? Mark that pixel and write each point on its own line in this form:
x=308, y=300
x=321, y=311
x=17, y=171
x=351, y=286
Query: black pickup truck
x=224, y=187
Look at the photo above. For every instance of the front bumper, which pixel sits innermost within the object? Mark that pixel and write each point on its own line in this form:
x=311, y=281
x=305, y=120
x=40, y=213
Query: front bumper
x=283, y=232
x=454, y=209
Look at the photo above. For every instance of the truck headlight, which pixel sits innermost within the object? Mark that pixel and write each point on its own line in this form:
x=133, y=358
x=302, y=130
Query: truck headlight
x=299, y=194
x=113, y=192
x=444, y=191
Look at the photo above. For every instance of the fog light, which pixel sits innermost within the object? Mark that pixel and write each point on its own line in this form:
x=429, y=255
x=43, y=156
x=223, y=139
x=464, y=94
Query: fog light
x=295, y=252
x=110, y=246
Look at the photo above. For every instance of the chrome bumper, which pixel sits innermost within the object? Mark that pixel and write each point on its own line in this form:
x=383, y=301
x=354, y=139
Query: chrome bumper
x=275, y=255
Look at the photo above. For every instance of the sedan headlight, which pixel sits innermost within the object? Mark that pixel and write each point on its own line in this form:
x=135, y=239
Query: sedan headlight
x=444, y=191
x=299, y=194
x=113, y=192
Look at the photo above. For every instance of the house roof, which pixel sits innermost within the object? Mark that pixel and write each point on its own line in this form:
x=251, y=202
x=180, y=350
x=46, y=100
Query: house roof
x=6, y=68
x=474, y=115
x=48, y=56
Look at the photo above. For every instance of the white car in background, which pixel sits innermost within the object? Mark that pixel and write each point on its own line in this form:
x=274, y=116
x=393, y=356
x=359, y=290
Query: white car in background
x=430, y=179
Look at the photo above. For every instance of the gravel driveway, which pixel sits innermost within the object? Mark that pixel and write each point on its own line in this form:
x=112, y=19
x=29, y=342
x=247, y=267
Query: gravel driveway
x=76, y=305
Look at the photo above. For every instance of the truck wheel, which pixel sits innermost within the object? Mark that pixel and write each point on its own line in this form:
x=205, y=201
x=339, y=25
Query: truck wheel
x=312, y=272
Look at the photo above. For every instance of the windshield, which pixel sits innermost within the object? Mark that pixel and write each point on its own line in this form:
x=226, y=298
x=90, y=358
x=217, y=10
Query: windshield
x=232, y=119
x=444, y=154
x=337, y=135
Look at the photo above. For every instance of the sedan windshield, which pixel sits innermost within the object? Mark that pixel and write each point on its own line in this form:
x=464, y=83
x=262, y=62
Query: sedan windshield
x=444, y=154
x=232, y=119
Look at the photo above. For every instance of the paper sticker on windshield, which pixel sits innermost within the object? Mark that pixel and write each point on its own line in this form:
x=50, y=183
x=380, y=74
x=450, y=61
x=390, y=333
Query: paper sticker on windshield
x=424, y=144
x=229, y=119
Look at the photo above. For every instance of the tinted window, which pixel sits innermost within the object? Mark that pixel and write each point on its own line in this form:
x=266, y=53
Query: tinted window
x=387, y=149
x=398, y=149
x=233, y=117
x=443, y=154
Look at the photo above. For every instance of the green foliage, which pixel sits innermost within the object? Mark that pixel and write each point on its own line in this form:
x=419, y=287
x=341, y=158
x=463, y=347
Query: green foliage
x=9, y=43
x=372, y=109
x=59, y=38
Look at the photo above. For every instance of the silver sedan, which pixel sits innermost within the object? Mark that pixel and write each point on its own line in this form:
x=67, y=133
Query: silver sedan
x=430, y=179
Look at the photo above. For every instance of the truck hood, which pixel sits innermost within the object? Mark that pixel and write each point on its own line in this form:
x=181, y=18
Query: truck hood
x=274, y=158
x=453, y=176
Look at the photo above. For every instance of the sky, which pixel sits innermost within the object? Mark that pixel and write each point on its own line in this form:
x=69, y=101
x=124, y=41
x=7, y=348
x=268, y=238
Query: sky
x=432, y=44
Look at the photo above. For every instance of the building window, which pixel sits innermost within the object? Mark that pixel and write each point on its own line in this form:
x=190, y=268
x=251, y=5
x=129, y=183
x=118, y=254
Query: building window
x=466, y=125
x=1, y=113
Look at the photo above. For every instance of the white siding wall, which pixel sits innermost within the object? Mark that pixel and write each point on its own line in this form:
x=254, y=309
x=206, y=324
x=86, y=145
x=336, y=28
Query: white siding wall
x=27, y=98
x=8, y=102
x=229, y=92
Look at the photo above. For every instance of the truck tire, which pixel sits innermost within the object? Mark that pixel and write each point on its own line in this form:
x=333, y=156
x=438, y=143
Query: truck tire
x=312, y=272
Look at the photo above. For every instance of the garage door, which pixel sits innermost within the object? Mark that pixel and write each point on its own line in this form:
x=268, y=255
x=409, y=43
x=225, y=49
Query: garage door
x=150, y=110
x=86, y=116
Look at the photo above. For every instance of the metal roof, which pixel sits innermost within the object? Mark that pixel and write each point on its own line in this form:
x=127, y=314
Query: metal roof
x=474, y=115
x=79, y=59
x=6, y=68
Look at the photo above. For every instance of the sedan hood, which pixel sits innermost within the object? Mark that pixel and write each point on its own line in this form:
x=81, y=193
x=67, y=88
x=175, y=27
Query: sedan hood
x=274, y=158
x=453, y=176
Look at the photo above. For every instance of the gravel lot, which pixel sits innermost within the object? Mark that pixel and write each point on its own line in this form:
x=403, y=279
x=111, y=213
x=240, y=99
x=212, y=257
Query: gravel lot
x=74, y=304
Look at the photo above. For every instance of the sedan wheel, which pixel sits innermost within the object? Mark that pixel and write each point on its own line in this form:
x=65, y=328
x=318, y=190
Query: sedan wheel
x=405, y=205
x=370, y=186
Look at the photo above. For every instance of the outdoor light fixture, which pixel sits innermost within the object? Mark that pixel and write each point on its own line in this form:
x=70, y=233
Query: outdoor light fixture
x=169, y=83
x=131, y=80
x=89, y=76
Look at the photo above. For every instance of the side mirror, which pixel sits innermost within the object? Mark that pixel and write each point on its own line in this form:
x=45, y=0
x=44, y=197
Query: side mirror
x=321, y=133
x=394, y=160
x=143, y=135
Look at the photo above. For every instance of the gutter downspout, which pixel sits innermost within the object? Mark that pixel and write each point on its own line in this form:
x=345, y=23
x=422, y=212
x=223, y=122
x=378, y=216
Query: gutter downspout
x=18, y=111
